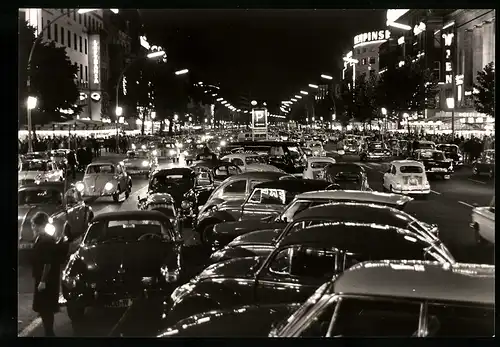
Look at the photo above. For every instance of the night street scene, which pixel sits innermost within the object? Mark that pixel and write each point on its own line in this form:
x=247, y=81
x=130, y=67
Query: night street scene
x=256, y=173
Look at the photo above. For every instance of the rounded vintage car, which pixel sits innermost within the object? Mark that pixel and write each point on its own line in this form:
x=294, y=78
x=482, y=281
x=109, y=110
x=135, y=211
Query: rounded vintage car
x=104, y=179
x=39, y=170
x=140, y=162
x=485, y=164
x=406, y=177
x=346, y=176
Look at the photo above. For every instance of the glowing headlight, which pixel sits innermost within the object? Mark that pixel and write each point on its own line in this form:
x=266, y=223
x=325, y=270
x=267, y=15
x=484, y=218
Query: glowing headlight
x=80, y=186
x=133, y=146
x=155, y=152
x=50, y=229
x=108, y=186
x=173, y=152
x=143, y=146
x=223, y=143
x=145, y=163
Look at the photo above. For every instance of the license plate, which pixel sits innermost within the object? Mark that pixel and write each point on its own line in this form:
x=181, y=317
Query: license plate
x=25, y=246
x=437, y=169
x=120, y=303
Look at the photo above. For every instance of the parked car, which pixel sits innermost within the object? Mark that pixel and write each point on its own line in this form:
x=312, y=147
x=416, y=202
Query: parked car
x=225, y=232
x=374, y=151
x=262, y=242
x=351, y=146
x=103, y=179
x=123, y=256
x=250, y=162
x=435, y=162
x=267, y=200
x=69, y=214
x=303, y=261
x=485, y=164
x=483, y=223
x=426, y=145
x=39, y=170
x=317, y=149
x=140, y=162
x=452, y=152
x=36, y=155
x=220, y=169
x=346, y=176
x=315, y=166
x=59, y=157
x=406, y=177
x=236, y=187
x=399, y=298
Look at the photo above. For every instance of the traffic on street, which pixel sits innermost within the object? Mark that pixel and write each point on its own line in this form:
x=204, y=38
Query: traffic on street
x=358, y=206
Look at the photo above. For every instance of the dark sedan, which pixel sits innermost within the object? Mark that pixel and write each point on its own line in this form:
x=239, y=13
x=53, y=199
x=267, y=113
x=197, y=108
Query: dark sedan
x=303, y=261
x=123, y=256
x=485, y=164
x=435, y=162
x=262, y=242
x=346, y=176
x=452, y=152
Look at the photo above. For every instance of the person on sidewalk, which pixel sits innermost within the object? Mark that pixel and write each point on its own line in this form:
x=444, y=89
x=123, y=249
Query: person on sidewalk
x=71, y=163
x=46, y=265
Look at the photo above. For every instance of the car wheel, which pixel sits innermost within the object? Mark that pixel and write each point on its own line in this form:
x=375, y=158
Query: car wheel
x=205, y=236
x=75, y=312
x=475, y=171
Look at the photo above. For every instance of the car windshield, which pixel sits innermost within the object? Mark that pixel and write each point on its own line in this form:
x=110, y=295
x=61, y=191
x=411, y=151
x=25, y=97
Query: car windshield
x=294, y=152
x=433, y=155
x=254, y=159
x=100, y=169
x=161, y=181
x=449, y=149
x=34, y=166
x=411, y=169
x=123, y=231
x=426, y=145
x=319, y=164
x=39, y=196
x=138, y=154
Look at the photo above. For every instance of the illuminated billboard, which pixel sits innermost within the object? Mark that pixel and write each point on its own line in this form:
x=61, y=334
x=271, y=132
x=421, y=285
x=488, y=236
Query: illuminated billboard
x=95, y=62
x=259, y=118
x=373, y=36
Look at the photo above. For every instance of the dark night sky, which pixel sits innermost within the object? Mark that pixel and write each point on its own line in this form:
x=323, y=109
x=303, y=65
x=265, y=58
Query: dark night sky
x=270, y=53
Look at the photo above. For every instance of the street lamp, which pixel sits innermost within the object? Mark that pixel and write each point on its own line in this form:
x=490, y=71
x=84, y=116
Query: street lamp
x=313, y=86
x=155, y=54
x=398, y=25
x=298, y=96
x=384, y=111
x=182, y=72
x=303, y=92
x=293, y=99
x=327, y=77
x=254, y=102
x=32, y=101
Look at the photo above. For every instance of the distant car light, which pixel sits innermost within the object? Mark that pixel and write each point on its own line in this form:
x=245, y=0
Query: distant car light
x=155, y=152
x=143, y=146
x=108, y=186
x=223, y=143
x=145, y=163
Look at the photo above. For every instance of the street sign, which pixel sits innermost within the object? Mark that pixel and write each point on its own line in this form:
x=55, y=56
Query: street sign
x=259, y=118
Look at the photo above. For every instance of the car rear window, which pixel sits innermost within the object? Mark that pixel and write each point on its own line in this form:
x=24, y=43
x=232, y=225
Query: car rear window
x=319, y=164
x=411, y=169
x=103, y=169
x=122, y=230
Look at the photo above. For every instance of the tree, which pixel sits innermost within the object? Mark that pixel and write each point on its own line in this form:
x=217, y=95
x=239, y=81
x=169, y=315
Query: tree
x=344, y=105
x=365, y=105
x=484, y=99
x=52, y=78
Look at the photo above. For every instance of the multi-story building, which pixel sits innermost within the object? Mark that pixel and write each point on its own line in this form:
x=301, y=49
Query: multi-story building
x=455, y=45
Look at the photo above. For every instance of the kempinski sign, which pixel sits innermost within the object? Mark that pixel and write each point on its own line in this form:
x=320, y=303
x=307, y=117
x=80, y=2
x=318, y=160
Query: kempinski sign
x=372, y=36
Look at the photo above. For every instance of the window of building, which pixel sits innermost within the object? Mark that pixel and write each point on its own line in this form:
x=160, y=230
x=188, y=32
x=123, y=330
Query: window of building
x=74, y=16
x=86, y=73
x=79, y=18
x=363, y=61
x=81, y=72
x=69, y=39
x=62, y=35
x=75, y=42
x=67, y=12
x=56, y=33
x=85, y=20
x=85, y=46
x=372, y=60
x=81, y=44
x=49, y=30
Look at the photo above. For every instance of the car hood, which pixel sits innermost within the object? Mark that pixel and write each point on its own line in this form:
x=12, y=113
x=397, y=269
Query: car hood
x=242, y=321
x=29, y=175
x=97, y=181
x=245, y=226
x=231, y=268
x=262, y=167
x=259, y=237
x=24, y=215
x=144, y=258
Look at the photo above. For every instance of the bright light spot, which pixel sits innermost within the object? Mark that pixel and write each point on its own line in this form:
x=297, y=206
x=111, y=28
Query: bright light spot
x=50, y=229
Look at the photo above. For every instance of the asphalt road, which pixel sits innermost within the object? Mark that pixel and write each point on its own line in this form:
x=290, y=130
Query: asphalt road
x=449, y=206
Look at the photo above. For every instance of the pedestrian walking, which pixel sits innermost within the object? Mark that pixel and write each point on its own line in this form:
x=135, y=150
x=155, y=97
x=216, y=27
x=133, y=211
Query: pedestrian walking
x=46, y=265
x=71, y=163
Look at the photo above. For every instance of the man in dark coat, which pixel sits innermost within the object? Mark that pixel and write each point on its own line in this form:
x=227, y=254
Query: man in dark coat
x=71, y=163
x=47, y=258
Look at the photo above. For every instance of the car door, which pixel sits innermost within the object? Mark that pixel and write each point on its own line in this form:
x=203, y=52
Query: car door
x=72, y=209
x=293, y=273
x=120, y=173
x=264, y=202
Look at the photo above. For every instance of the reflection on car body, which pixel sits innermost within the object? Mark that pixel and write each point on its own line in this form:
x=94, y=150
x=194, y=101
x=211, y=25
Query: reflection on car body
x=346, y=176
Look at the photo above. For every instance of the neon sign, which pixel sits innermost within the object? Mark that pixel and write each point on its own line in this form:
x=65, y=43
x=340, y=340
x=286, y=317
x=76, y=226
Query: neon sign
x=448, y=40
x=372, y=36
x=96, y=62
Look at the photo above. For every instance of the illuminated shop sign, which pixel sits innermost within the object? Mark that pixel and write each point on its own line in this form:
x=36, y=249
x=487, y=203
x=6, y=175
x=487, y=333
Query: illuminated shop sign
x=95, y=57
x=448, y=56
x=372, y=36
x=259, y=118
x=95, y=96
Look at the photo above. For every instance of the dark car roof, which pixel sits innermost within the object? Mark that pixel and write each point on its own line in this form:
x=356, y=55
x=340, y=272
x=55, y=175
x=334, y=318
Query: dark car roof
x=259, y=174
x=381, y=241
x=53, y=185
x=173, y=171
x=343, y=167
x=212, y=163
x=333, y=210
x=131, y=215
x=264, y=143
x=467, y=283
x=299, y=185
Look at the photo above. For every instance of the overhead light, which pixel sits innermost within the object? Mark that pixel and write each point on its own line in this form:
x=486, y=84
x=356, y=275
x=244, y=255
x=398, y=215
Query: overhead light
x=115, y=10
x=313, y=86
x=86, y=10
x=220, y=99
x=224, y=102
x=156, y=54
x=182, y=72
x=303, y=92
x=298, y=96
x=398, y=25
x=327, y=77
x=293, y=99
x=448, y=25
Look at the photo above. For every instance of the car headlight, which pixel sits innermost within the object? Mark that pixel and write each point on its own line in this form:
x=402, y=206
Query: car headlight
x=173, y=152
x=143, y=146
x=145, y=163
x=155, y=152
x=50, y=229
x=80, y=186
x=133, y=146
x=223, y=143
x=108, y=186
x=186, y=204
x=170, y=276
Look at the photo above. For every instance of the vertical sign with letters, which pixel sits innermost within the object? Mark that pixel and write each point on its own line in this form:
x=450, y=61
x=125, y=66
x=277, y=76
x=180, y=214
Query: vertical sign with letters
x=448, y=43
x=95, y=62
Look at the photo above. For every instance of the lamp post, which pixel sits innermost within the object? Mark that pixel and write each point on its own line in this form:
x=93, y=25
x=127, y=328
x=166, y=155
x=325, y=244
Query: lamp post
x=28, y=79
x=384, y=113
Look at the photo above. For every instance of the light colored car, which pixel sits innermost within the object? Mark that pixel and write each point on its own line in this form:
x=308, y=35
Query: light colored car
x=39, y=170
x=140, y=162
x=105, y=179
x=315, y=166
x=483, y=223
x=406, y=177
x=396, y=298
x=317, y=149
x=249, y=162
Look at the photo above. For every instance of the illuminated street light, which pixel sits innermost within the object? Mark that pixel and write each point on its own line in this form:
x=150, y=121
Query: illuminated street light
x=293, y=99
x=206, y=120
x=155, y=54
x=238, y=110
x=384, y=111
x=182, y=72
x=86, y=10
x=303, y=92
x=398, y=25
x=254, y=102
x=224, y=102
x=32, y=101
x=215, y=94
x=115, y=10
x=313, y=86
x=220, y=99
x=119, y=111
x=327, y=77
x=298, y=96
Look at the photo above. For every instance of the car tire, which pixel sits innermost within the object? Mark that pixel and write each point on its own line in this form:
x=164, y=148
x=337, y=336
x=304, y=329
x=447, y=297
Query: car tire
x=205, y=234
x=475, y=171
x=75, y=312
